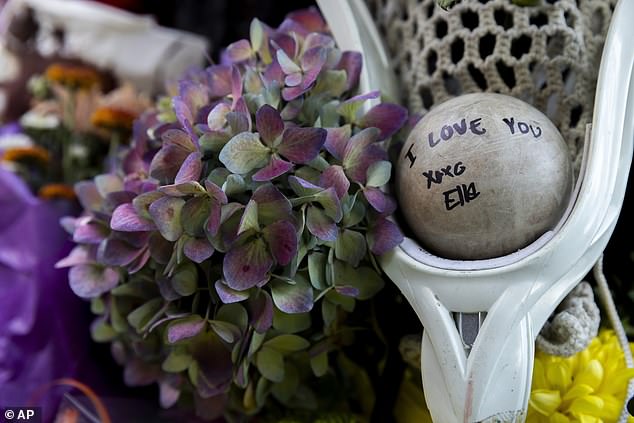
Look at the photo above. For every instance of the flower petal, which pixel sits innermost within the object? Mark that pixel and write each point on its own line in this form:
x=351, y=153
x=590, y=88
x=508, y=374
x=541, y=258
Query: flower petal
x=108, y=183
x=184, y=115
x=275, y=168
x=302, y=187
x=81, y=254
x=545, y=401
x=239, y=51
x=247, y=265
x=88, y=231
x=90, y=281
x=336, y=178
x=350, y=247
x=269, y=124
x=293, y=298
x=351, y=62
x=190, y=169
x=301, y=145
x=261, y=312
x=167, y=162
x=217, y=118
x=376, y=198
x=249, y=220
x=244, y=152
x=378, y=174
x=272, y=204
x=356, y=163
x=337, y=139
x=184, y=328
x=166, y=214
x=197, y=249
x=126, y=219
x=286, y=63
x=228, y=295
x=383, y=236
x=388, y=117
x=114, y=252
x=320, y=225
x=88, y=195
x=329, y=200
x=282, y=241
x=350, y=108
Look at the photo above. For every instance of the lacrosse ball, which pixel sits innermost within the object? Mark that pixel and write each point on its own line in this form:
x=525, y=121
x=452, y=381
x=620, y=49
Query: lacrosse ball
x=482, y=176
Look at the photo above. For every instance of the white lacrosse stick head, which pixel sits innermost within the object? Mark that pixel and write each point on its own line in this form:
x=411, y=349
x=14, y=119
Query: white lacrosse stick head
x=519, y=291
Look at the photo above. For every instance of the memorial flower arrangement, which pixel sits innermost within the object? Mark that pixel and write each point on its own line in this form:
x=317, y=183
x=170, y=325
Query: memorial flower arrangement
x=224, y=251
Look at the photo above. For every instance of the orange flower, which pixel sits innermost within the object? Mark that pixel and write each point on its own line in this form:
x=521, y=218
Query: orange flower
x=73, y=76
x=21, y=154
x=112, y=118
x=56, y=191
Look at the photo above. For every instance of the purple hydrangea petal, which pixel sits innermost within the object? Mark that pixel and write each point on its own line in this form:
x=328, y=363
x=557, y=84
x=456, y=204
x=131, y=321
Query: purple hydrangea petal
x=269, y=124
x=139, y=262
x=301, y=145
x=293, y=79
x=88, y=231
x=291, y=93
x=166, y=214
x=282, y=241
x=302, y=187
x=244, y=152
x=275, y=168
x=178, y=138
x=126, y=219
x=272, y=204
x=215, y=192
x=183, y=189
x=289, y=67
x=315, y=39
x=169, y=390
x=198, y=249
x=217, y=117
x=261, y=312
x=88, y=195
x=184, y=328
x=310, y=20
x=335, y=177
x=194, y=94
x=239, y=122
x=383, y=236
x=351, y=62
x=239, y=51
x=273, y=73
x=114, y=252
x=219, y=80
x=190, y=169
x=348, y=291
x=167, y=162
x=388, y=117
x=350, y=108
x=312, y=62
x=360, y=154
x=321, y=225
x=330, y=203
x=376, y=198
x=228, y=295
x=90, y=281
x=81, y=254
x=108, y=183
x=160, y=248
x=247, y=265
x=236, y=85
x=337, y=139
x=297, y=298
x=184, y=115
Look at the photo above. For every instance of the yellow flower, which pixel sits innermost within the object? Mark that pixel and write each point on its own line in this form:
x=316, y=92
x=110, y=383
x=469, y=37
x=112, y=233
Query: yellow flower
x=588, y=387
x=72, y=76
x=24, y=154
x=56, y=191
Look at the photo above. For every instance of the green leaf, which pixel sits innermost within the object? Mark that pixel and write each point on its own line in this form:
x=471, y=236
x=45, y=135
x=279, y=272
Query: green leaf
x=378, y=174
x=177, y=361
x=290, y=323
x=270, y=363
x=249, y=219
x=350, y=247
x=185, y=279
x=285, y=344
x=319, y=364
x=317, y=270
x=244, y=152
x=142, y=315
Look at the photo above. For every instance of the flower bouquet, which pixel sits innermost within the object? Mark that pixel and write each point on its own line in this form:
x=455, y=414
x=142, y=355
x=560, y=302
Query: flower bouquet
x=230, y=243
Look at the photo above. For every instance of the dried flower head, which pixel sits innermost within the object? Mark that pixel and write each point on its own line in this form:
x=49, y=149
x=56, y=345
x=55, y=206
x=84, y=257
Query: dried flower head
x=256, y=200
x=56, y=191
x=110, y=118
x=33, y=154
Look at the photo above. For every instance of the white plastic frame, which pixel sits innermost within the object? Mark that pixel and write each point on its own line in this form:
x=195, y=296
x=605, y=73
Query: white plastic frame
x=518, y=291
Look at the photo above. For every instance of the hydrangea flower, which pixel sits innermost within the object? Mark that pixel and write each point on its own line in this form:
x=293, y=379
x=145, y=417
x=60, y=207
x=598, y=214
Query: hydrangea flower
x=244, y=203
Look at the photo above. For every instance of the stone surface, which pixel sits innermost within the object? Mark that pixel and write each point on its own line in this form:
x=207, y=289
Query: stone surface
x=481, y=176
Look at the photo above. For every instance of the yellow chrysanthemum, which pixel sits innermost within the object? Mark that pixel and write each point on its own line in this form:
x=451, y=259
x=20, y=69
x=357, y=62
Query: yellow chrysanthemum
x=588, y=387
x=72, y=76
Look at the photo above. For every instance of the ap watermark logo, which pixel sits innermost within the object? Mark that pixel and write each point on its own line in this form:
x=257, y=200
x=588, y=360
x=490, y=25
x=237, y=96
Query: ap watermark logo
x=20, y=414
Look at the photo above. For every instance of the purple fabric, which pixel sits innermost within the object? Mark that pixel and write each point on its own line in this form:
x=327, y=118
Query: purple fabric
x=10, y=128
x=43, y=327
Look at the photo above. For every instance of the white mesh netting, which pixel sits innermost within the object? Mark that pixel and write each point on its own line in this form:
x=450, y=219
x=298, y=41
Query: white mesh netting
x=547, y=55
